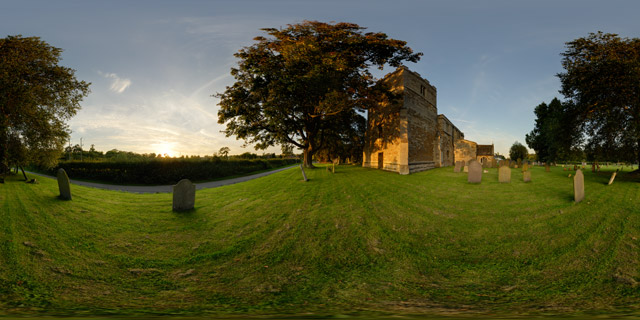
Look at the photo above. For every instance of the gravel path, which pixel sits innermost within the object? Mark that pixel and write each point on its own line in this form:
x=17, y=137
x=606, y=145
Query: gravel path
x=168, y=188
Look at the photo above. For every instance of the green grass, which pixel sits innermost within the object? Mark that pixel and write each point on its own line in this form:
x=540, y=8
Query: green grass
x=357, y=241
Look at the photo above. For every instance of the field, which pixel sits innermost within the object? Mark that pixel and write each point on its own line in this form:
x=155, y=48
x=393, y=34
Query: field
x=356, y=242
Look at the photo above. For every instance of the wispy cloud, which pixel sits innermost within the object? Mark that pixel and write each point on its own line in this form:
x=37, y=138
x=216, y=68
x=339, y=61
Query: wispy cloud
x=118, y=85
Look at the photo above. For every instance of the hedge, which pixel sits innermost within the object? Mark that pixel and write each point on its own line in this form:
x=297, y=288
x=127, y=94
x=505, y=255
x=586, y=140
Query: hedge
x=165, y=171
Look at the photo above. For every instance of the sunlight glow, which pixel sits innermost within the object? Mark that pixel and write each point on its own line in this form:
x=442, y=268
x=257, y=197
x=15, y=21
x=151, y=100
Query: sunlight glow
x=164, y=149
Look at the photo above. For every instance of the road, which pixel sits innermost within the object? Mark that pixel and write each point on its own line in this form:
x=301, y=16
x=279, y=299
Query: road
x=168, y=188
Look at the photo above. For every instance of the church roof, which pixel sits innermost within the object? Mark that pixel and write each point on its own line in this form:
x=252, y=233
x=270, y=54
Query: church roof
x=485, y=150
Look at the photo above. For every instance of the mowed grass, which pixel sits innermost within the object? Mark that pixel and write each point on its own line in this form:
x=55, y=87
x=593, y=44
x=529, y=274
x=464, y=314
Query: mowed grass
x=357, y=241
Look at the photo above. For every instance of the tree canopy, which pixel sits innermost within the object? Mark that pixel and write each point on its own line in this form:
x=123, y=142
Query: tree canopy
x=602, y=81
x=37, y=96
x=307, y=83
x=518, y=151
x=555, y=135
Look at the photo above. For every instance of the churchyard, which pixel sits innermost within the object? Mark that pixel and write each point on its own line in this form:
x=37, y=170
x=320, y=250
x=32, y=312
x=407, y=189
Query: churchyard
x=357, y=241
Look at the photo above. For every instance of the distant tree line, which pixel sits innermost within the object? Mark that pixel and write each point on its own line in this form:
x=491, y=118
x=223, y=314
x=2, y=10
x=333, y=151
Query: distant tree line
x=599, y=120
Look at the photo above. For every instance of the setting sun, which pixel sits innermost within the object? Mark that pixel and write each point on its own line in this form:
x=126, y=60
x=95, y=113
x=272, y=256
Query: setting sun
x=164, y=149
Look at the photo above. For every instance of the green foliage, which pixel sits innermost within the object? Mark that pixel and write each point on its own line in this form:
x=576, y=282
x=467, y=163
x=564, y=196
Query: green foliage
x=556, y=135
x=518, y=151
x=37, y=96
x=165, y=171
x=602, y=79
x=304, y=85
x=335, y=245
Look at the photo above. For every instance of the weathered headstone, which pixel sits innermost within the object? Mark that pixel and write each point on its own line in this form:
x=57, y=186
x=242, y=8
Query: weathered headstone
x=304, y=175
x=613, y=176
x=63, y=185
x=547, y=168
x=465, y=169
x=525, y=167
x=578, y=186
x=494, y=163
x=458, y=167
x=184, y=195
x=526, y=176
x=504, y=174
x=475, y=172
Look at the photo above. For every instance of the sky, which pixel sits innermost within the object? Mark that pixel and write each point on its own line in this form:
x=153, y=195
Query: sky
x=154, y=65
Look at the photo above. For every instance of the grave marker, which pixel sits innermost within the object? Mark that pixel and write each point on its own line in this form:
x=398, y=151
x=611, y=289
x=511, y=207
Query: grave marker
x=63, y=185
x=526, y=176
x=458, y=167
x=504, y=174
x=578, y=186
x=184, y=195
x=613, y=176
x=475, y=172
x=465, y=169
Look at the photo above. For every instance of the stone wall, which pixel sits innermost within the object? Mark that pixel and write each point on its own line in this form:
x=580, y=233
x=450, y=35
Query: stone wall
x=465, y=150
x=386, y=134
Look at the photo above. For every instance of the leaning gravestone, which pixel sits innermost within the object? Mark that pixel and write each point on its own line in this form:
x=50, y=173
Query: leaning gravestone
x=613, y=177
x=504, y=174
x=63, y=185
x=184, y=195
x=304, y=175
x=526, y=176
x=578, y=186
x=475, y=172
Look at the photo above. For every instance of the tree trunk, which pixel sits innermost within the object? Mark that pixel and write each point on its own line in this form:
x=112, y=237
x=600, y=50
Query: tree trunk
x=307, y=162
x=24, y=174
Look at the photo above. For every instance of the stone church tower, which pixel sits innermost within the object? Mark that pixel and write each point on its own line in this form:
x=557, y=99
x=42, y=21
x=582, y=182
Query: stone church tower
x=408, y=135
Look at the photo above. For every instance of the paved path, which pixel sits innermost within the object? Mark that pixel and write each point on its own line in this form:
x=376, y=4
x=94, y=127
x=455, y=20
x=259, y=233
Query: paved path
x=168, y=188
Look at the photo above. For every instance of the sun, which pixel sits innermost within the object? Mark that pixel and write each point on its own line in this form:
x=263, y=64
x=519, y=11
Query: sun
x=164, y=149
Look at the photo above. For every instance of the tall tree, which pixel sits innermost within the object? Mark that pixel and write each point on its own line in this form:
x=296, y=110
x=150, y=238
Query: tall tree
x=556, y=135
x=602, y=79
x=37, y=96
x=305, y=81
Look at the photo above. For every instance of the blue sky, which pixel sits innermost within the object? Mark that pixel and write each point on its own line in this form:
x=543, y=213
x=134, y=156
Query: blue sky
x=154, y=65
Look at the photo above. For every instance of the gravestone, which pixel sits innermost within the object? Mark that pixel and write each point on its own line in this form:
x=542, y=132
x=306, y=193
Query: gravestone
x=512, y=164
x=525, y=167
x=504, y=174
x=458, y=166
x=304, y=175
x=613, y=176
x=547, y=168
x=465, y=169
x=494, y=163
x=184, y=195
x=526, y=176
x=475, y=172
x=578, y=186
x=63, y=185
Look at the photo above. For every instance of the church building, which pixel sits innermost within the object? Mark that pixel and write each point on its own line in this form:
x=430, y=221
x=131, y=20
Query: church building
x=409, y=135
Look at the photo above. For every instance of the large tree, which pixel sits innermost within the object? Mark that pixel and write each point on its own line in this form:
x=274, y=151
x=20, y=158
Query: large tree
x=37, y=96
x=602, y=80
x=303, y=83
x=556, y=133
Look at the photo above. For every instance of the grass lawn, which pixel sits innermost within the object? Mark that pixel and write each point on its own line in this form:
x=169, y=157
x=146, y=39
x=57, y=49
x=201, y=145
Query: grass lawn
x=359, y=241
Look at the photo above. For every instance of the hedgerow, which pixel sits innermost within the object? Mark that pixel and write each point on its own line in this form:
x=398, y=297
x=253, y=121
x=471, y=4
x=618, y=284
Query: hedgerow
x=165, y=171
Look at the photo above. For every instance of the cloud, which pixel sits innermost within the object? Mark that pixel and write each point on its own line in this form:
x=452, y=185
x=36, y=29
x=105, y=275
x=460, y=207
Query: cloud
x=118, y=85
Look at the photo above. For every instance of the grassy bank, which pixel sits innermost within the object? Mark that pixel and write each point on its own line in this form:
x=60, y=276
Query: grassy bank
x=358, y=240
